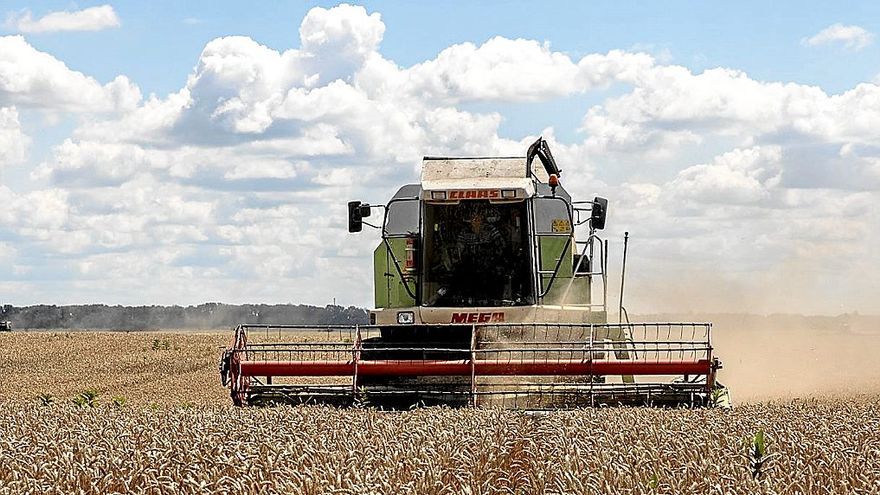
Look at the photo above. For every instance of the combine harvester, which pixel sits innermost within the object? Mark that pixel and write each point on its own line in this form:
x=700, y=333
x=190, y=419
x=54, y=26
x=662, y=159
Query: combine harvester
x=483, y=297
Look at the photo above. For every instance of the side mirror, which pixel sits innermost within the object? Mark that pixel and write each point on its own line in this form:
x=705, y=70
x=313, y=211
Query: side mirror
x=600, y=210
x=357, y=211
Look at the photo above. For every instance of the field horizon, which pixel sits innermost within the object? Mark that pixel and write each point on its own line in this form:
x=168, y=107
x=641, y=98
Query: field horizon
x=765, y=358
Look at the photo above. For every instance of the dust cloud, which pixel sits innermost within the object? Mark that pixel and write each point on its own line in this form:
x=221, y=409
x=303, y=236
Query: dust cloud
x=788, y=356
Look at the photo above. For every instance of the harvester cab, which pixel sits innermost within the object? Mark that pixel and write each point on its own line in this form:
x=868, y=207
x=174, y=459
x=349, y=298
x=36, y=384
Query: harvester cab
x=484, y=295
x=487, y=240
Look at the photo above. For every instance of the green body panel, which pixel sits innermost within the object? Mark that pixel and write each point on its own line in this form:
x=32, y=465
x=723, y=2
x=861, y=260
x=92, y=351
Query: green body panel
x=551, y=248
x=389, y=289
x=380, y=281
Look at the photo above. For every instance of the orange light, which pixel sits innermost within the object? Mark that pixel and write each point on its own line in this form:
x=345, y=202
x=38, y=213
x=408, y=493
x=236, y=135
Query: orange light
x=553, y=181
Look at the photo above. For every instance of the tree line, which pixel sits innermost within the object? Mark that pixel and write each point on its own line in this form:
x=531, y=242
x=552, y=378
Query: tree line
x=204, y=316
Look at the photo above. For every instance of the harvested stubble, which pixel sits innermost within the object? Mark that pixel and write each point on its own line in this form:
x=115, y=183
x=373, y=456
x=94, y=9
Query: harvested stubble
x=819, y=447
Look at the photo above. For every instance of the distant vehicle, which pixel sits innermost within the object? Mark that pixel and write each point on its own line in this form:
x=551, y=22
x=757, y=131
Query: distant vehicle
x=5, y=326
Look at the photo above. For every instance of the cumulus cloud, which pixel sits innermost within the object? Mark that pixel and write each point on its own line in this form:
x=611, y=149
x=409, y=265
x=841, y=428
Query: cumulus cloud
x=31, y=78
x=90, y=19
x=340, y=39
x=238, y=181
x=499, y=69
x=37, y=212
x=852, y=37
x=738, y=177
x=13, y=142
x=674, y=109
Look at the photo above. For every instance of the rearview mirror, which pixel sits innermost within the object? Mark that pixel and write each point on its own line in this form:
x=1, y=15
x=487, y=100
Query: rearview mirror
x=357, y=211
x=600, y=210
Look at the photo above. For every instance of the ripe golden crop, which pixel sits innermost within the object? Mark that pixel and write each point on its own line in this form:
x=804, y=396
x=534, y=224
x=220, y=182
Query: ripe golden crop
x=164, y=368
x=177, y=433
x=145, y=368
x=819, y=447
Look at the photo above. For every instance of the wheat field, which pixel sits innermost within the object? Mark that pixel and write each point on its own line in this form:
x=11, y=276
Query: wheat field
x=158, y=421
x=145, y=368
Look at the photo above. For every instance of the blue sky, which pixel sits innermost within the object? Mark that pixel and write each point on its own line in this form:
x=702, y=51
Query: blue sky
x=691, y=111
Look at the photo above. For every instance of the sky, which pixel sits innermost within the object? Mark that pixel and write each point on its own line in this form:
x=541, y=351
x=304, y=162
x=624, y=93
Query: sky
x=185, y=152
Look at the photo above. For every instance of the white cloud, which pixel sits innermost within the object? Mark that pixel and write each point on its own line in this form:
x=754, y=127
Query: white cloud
x=237, y=182
x=31, y=78
x=672, y=109
x=262, y=170
x=35, y=212
x=339, y=39
x=499, y=69
x=502, y=69
x=738, y=177
x=13, y=142
x=90, y=19
x=852, y=37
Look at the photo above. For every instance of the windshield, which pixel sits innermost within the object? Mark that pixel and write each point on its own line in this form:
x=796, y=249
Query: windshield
x=476, y=254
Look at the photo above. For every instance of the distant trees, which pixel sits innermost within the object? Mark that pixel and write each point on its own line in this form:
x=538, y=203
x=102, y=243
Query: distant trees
x=209, y=315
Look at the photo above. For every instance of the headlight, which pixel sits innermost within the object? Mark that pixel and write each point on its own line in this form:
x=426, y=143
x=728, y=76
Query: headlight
x=406, y=318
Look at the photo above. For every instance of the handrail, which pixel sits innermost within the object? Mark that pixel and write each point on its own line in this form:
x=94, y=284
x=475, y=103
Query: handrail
x=385, y=238
x=570, y=237
x=602, y=273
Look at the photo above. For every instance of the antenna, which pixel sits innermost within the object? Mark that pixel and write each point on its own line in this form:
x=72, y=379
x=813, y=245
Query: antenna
x=620, y=308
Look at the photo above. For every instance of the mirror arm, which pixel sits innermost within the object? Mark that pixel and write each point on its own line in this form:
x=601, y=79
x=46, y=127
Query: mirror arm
x=383, y=207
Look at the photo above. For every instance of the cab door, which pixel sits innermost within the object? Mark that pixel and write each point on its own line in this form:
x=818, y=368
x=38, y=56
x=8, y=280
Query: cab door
x=554, y=239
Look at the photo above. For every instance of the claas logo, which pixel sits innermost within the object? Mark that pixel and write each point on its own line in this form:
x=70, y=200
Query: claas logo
x=475, y=194
x=497, y=317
